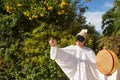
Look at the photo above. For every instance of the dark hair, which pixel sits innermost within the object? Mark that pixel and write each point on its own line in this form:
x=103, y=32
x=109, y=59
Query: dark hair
x=80, y=38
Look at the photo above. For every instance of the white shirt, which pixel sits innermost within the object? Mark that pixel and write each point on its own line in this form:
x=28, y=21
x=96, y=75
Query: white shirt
x=77, y=63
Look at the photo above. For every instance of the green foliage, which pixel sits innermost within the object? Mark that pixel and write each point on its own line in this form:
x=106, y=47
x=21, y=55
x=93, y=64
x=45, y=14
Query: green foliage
x=37, y=48
x=24, y=48
x=111, y=19
x=2, y=9
x=10, y=47
x=112, y=43
x=26, y=57
x=34, y=9
x=107, y=23
x=111, y=28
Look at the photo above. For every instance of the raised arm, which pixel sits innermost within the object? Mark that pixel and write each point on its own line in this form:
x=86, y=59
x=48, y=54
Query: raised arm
x=64, y=58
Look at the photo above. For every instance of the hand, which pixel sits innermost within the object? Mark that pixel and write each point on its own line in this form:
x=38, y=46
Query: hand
x=52, y=42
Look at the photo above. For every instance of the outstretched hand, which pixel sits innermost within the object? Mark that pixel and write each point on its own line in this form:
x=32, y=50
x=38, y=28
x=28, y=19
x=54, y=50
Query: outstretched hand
x=52, y=42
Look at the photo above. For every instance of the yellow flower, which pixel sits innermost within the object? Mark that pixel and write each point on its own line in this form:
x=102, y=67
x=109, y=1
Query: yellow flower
x=19, y=5
x=30, y=18
x=34, y=16
x=59, y=13
x=63, y=3
x=63, y=11
x=26, y=13
x=41, y=15
x=44, y=2
x=50, y=8
x=61, y=6
x=9, y=9
x=43, y=8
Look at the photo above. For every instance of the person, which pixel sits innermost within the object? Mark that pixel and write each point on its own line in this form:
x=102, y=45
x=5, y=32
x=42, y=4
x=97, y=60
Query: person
x=76, y=61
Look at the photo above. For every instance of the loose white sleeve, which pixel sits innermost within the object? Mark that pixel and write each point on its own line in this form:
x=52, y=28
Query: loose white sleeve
x=65, y=59
x=53, y=52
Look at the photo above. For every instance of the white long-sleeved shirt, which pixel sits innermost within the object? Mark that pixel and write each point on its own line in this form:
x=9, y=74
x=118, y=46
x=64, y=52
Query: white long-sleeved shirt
x=77, y=63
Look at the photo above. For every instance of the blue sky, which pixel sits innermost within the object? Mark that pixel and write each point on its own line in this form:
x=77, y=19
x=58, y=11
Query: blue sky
x=96, y=9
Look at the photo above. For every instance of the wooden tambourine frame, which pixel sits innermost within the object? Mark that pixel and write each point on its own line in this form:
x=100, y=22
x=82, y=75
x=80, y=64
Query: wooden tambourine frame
x=106, y=62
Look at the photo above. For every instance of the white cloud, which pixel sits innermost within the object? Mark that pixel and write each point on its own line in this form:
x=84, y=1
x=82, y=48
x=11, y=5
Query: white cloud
x=108, y=5
x=95, y=18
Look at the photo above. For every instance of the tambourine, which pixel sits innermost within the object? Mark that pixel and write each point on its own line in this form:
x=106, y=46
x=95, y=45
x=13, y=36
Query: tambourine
x=106, y=62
